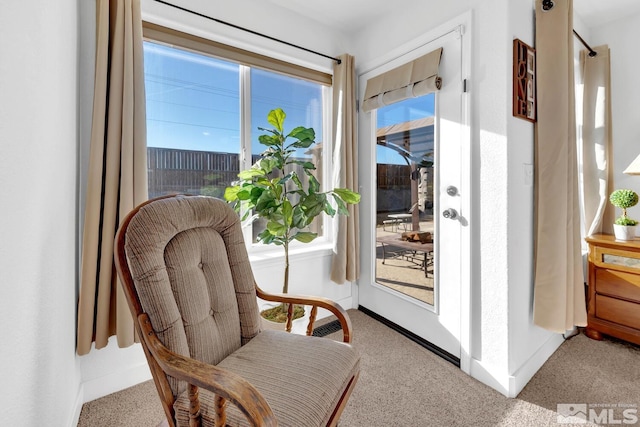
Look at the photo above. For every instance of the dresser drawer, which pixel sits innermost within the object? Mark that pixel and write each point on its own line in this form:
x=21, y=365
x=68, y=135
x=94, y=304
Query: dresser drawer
x=618, y=311
x=618, y=284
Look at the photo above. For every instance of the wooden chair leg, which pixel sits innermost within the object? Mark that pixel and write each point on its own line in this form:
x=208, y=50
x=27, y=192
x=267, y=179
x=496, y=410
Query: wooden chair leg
x=221, y=415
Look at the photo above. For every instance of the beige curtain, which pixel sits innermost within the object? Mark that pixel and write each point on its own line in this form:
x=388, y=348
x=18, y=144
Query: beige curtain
x=117, y=177
x=345, y=265
x=416, y=78
x=596, y=150
x=559, y=301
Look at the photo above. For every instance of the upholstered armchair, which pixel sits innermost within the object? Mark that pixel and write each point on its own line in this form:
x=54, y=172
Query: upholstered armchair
x=184, y=267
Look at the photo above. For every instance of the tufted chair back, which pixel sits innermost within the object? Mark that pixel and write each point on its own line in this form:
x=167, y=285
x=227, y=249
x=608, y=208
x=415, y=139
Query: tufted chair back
x=193, y=278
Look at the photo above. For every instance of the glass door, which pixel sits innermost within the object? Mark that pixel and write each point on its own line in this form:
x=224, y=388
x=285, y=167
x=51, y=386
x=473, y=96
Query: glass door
x=412, y=268
x=405, y=166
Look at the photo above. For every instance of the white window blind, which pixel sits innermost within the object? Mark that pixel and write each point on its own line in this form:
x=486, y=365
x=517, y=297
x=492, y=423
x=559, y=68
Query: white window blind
x=416, y=78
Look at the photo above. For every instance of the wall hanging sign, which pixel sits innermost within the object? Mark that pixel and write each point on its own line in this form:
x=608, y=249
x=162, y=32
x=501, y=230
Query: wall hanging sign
x=524, y=81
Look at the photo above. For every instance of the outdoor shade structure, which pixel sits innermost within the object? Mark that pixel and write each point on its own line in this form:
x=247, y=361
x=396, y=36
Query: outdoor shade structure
x=414, y=141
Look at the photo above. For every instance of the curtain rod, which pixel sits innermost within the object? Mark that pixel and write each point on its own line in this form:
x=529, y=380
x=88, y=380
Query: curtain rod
x=592, y=52
x=248, y=30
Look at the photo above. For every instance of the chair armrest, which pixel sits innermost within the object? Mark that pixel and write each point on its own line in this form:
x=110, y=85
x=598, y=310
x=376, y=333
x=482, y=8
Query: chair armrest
x=333, y=307
x=223, y=383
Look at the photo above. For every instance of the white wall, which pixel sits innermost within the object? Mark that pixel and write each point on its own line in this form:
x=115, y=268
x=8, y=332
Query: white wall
x=529, y=345
x=281, y=24
x=622, y=37
x=38, y=164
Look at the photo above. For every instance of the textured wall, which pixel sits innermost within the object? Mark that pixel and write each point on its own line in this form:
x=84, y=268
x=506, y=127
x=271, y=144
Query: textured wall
x=38, y=162
x=622, y=36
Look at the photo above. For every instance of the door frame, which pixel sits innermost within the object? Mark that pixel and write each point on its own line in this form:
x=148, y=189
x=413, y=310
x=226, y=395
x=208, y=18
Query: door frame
x=462, y=25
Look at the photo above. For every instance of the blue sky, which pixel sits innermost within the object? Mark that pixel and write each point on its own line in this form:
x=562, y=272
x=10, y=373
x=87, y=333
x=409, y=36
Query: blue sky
x=193, y=103
x=404, y=111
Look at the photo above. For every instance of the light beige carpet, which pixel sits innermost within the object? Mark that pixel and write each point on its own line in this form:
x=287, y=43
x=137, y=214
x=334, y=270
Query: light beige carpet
x=403, y=384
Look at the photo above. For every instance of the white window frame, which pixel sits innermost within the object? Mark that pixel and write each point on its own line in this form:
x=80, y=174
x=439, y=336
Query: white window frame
x=260, y=250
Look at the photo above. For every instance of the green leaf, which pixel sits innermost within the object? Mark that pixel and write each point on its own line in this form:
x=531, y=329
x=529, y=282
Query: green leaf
x=231, y=193
x=268, y=165
x=256, y=192
x=250, y=173
x=263, y=181
x=303, y=144
x=342, y=207
x=276, y=118
x=348, y=196
x=277, y=190
x=299, y=218
x=269, y=140
x=287, y=213
x=244, y=194
x=314, y=185
x=296, y=179
x=267, y=201
x=313, y=205
x=266, y=237
x=284, y=179
x=329, y=209
x=276, y=228
x=305, y=165
x=305, y=236
x=305, y=137
x=273, y=131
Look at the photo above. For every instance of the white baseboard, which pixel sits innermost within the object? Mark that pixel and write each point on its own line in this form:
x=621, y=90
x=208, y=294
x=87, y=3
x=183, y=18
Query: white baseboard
x=347, y=303
x=103, y=386
x=496, y=380
x=524, y=374
x=511, y=385
x=78, y=407
x=116, y=381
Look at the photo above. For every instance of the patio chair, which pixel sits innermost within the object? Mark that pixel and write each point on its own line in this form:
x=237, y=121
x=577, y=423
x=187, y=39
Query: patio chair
x=185, y=271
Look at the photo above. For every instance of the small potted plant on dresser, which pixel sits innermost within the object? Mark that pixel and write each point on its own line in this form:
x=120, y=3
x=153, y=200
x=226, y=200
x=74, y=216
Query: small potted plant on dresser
x=289, y=201
x=624, y=227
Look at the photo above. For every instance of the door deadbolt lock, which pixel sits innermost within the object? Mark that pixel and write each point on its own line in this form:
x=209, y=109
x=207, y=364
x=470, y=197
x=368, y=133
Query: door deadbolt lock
x=450, y=213
x=452, y=191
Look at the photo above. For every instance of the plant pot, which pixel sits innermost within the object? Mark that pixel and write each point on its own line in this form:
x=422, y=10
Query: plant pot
x=624, y=232
x=298, y=325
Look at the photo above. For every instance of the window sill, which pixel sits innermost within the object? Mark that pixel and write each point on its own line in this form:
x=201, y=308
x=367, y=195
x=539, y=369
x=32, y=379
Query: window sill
x=270, y=254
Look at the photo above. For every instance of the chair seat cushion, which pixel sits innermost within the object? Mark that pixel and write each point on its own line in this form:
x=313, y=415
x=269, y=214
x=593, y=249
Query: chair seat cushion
x=302, y=378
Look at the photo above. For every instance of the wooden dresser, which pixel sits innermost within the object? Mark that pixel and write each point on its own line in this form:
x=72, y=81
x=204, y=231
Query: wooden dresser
x=613, y=306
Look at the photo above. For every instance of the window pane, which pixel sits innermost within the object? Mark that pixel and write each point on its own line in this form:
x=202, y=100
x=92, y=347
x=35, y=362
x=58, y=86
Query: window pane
x=193, y=121
x=301, y=100
x=405, y=197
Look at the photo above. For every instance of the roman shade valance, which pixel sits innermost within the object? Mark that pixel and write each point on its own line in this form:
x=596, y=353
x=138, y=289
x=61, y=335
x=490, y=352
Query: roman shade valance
x=416, y=78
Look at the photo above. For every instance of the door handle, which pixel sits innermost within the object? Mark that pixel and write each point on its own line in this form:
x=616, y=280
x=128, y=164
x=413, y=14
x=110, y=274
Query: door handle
x=450, y=213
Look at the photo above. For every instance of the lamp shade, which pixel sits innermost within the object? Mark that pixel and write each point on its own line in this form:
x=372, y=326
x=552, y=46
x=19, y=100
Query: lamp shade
x=634, y=167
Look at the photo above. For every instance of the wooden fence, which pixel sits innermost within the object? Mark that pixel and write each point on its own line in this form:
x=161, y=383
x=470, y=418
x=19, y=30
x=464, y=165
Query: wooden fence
x=187, y=171
x=206, y=172
x=393, y=177
x=394, y=188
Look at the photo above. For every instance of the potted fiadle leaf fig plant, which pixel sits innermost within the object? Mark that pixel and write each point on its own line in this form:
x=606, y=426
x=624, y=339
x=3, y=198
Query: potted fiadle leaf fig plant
x=624, y=227
x=272, y=189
